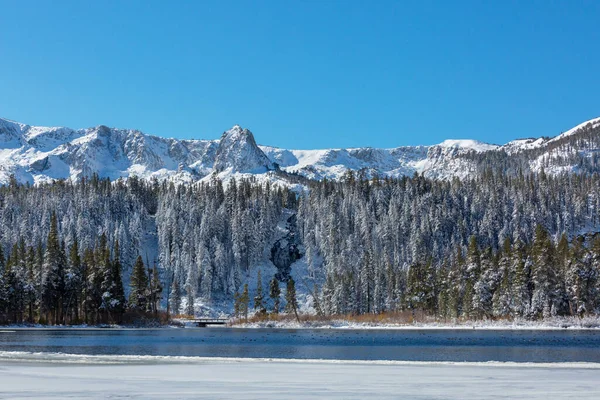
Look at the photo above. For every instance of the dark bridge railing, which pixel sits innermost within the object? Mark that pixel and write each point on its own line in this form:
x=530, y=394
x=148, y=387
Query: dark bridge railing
x=203, y=322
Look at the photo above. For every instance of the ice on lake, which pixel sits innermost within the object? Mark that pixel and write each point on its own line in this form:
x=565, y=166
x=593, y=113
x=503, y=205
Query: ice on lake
x=62, y=376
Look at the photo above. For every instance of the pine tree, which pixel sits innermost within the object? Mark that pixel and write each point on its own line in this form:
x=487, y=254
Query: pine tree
x=31, y=289
x=237, y=307
x=543, y=276
x=290, y=298
x=563, y=253
x=521, y=288
x=15, y=283
x=139, y=286
x=155, y=290
x=455, y=278
x=2, y=260
x=259, y=298
x=501, y=299
x=472, y=273
x=175, y=297
x=275, y=294
x=484, y=286
x=327, y=295
x=579, y=279
x=117, y=304
x=92, y=292
x=443, y=296
x=189, y=305
x=367, y=283
x=415, y=287
x=3, y=291
x=244, y=302
x=73, y=282
x=595, y=275
x=52, y=285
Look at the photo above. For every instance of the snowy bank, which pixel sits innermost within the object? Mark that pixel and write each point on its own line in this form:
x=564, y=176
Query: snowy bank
x=548, y=324
x=558, y=323
x=180, y=378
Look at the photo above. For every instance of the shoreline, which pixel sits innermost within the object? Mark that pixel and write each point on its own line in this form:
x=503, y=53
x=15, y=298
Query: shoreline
x=551, y=324
x=554, y=324
x=417, y=327
x=11, y=329
x=52, y=358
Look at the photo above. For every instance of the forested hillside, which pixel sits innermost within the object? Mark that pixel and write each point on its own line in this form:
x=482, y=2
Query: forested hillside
x=497, y=245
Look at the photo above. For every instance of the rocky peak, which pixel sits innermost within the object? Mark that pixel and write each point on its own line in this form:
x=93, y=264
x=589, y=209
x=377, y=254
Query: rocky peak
x=238, y=152
x=11, y=134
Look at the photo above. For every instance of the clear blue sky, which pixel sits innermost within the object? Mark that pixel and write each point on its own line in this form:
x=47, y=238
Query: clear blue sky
x=304, y=74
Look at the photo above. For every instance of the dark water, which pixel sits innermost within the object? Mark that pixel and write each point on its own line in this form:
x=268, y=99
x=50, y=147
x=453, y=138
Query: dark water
x=413, y=345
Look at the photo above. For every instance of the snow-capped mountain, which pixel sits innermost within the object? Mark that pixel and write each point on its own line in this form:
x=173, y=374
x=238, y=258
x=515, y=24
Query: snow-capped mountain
x=238, y=152
x=37, y=154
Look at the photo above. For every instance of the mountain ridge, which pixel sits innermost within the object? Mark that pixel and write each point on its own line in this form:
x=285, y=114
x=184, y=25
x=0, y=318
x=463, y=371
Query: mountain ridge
x=37, y=154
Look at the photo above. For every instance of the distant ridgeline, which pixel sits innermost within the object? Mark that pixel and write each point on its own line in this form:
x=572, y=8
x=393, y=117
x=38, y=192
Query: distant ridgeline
x=36, y=154
x=496, y=245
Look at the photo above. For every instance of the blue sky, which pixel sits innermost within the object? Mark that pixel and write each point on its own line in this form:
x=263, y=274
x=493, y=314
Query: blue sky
x=304, y=74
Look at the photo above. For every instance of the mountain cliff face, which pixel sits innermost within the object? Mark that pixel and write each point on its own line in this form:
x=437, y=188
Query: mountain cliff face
x=238, y=152
x=40, y=154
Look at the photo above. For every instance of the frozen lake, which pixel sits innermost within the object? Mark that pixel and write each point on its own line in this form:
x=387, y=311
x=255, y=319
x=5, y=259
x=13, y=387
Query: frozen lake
x=85, y=377
x=330, y=344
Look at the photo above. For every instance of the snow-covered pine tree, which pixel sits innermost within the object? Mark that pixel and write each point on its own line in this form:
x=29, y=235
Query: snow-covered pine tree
x=175, y=297
x=290, y=298
x=579, y=278
x=155, y=289
x=73, y=283
x=259, y=300
x=53, y=270
x=543, y=275
x=138, y=284
x=117, y=305
x=275, y=294
x=244, y=301
x=501, y=299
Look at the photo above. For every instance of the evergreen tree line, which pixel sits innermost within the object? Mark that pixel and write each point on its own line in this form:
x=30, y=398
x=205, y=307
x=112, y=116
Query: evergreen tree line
x=241, y=303
x=534, y=280
x=55, y=284
x=389, y=245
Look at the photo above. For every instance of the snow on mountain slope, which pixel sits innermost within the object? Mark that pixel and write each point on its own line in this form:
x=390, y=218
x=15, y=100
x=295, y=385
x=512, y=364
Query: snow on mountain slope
x=554, y=157
x=518, y=145
x=468, y=144
x=238, y=152
x=592, y=123
x=534, y=143
x=11, y=135
x=39, y=154
x=334, y=163
x=435, y=161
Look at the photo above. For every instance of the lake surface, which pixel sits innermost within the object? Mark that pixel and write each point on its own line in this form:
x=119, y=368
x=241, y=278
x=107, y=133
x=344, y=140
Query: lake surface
x=403, y=345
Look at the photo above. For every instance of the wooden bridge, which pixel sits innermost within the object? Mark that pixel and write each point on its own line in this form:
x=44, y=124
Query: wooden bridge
x=204, y=322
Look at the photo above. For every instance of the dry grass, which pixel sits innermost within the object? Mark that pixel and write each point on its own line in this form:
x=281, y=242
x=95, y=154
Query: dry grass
x=183, y=316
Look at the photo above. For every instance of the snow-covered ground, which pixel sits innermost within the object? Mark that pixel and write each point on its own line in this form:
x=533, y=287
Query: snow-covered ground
x=549, y=324
x=558, y=323
x=125, y=377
